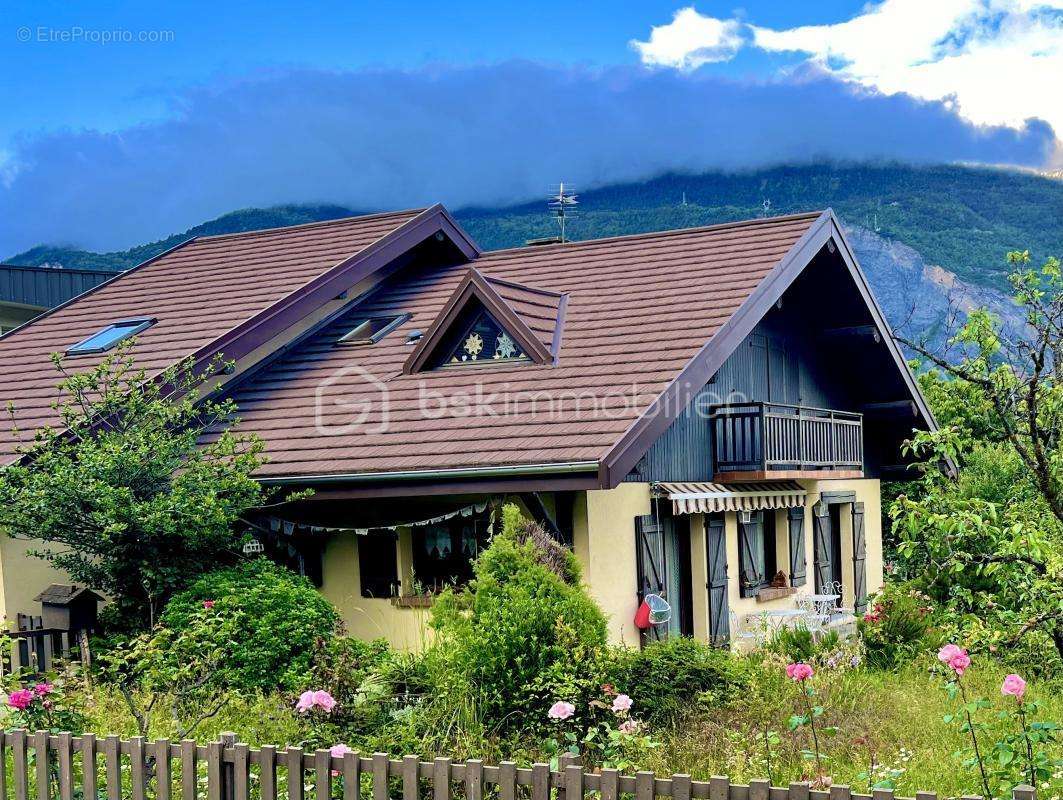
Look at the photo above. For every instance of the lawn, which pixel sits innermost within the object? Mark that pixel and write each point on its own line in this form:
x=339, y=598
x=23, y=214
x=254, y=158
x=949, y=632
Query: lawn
x=894, y=719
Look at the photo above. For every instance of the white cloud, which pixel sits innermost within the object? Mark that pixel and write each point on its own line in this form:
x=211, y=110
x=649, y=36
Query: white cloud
x=691, y=40
x=999, y=62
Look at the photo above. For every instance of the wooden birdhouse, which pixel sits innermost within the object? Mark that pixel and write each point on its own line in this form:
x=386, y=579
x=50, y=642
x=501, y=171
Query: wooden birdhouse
x=69, y=608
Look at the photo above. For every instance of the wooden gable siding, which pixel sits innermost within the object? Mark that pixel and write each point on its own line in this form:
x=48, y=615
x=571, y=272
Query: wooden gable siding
x=778, y=362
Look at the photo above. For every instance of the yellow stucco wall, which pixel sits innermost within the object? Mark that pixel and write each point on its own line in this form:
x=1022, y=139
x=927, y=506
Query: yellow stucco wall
x=23, y=577
x=604, y=542
x=366, y=617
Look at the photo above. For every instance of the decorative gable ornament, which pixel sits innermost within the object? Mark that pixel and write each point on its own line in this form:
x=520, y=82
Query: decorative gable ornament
x=478, y=325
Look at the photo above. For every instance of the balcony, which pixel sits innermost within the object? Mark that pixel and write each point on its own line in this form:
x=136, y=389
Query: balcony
x=760, y=441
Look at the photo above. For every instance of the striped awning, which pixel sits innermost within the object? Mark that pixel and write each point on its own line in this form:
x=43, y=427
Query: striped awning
x=704, y=498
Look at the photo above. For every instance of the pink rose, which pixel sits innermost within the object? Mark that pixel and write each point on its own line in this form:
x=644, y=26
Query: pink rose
x=622, y=703
x=1013, y=685
x=960, y=663
x=946, y=653
x=799, y=671
x=41, y=689
x=338, y=751
x=629, y=726
x=208, y=604
x=306, y=702
x=561, y=710
x=20, y=699
x=324, y=701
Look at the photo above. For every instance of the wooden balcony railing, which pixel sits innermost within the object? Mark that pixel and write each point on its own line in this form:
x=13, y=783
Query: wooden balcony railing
x=774, y=437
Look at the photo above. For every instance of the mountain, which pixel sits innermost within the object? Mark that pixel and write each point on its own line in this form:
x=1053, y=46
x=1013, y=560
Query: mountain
x=930, y=238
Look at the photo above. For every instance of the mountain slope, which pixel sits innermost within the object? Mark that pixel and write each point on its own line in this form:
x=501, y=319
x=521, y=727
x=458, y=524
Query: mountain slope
x=930, y=238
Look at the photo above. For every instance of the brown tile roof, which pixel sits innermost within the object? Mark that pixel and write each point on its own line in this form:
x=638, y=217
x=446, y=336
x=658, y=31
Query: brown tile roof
x=199, y=292
x=539, y=309
x=639, y=308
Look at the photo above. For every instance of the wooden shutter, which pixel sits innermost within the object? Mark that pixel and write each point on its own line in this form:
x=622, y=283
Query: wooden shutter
x=859, y=559
x=751, y=554
x=796, y=519
x=821, y=561
x=649, y=551
x=716, y=553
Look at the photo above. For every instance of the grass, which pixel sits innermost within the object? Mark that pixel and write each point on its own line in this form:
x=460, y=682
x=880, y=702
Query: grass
x=894, y=718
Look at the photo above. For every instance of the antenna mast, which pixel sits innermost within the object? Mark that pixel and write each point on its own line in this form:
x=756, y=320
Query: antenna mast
x=563, y=206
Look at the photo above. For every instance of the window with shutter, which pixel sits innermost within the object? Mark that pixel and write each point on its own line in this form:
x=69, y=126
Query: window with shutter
x=751, y=554
x=795, y=518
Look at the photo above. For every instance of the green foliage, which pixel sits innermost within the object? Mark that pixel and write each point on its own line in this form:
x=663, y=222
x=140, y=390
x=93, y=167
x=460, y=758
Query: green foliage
x=44, y=702
x=124, y=494
x=676, y=675
x=797, y=643
x=987, y=548
x=517, y=632
x=274, y=620
x=897, y=629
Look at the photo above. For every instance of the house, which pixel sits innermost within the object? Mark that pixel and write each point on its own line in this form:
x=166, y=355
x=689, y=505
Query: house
x=702, y=414
x=26, y=292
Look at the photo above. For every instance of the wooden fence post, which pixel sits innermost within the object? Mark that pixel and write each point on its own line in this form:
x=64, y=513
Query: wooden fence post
x=40, y=753
x=294, y=761
x=574, y=782
x=227, y=771
x=1024, y=792
x=441, y=779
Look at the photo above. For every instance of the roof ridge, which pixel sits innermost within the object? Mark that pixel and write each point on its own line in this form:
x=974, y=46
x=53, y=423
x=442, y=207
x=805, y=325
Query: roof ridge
x=317, y=224
x=742, y=223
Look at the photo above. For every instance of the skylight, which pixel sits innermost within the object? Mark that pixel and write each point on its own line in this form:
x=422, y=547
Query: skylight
x=372, y=329
x=108, y=337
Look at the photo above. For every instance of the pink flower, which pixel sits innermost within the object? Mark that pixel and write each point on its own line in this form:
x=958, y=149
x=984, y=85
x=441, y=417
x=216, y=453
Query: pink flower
x=41, y=689
x=561, y=710
x=208, y=604
x=1013, y=685
x=622, y=703
x=629, y=726
x=799, y=671
x=338, y=751
x=20, y=699
x=306, y=702
x=955, y=658
x=324, y=701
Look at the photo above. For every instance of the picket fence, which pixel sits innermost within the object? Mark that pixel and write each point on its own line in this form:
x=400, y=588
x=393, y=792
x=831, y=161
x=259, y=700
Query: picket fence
x=136, y=769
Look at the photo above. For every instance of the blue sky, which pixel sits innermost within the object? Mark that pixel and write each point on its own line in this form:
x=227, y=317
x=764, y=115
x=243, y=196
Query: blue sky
x=110, y=86
x=475, y=102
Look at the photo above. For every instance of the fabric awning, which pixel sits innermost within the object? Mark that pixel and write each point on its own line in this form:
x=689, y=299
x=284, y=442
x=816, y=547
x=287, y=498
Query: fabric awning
x=704, y=498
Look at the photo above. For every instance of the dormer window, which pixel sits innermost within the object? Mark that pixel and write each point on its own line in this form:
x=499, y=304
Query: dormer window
x=371, y=330
x=108, y=337
x=484, y=341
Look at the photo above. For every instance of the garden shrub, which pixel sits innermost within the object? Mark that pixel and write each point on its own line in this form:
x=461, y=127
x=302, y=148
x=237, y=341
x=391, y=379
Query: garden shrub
x=897, y=627
x=518, y=633
x=798, y=643
x=278, y=618
x=667, y=677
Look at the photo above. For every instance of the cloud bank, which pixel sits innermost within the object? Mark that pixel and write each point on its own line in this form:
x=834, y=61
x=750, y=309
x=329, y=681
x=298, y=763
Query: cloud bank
x=463, y=136
x=999, y=62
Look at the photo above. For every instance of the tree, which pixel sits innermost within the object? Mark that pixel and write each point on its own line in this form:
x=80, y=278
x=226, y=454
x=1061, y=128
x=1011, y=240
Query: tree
x=989, y=544
x=140, y=488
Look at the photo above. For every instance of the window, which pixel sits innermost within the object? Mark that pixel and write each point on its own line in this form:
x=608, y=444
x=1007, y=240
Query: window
x=110, y=336
x=484, y=341
x=372, y=329
x=756, y=550
x=443, y=553
x=378, y=568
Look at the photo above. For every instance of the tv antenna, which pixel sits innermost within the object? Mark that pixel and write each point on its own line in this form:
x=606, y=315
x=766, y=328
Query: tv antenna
x=563, y=206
